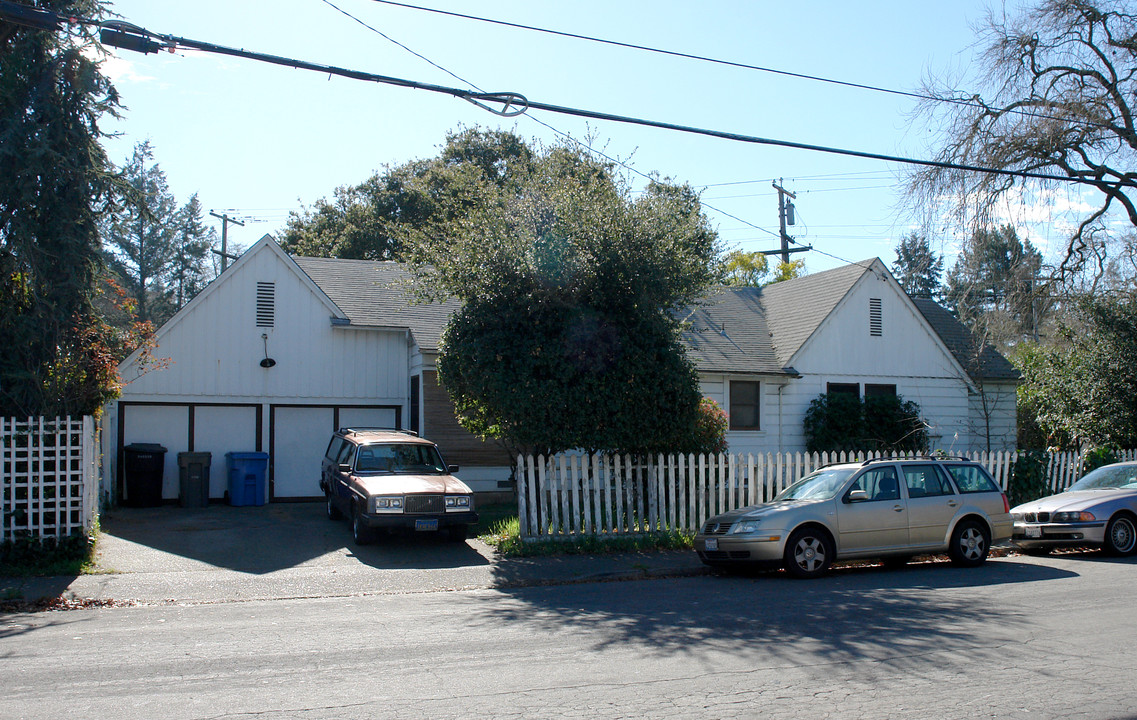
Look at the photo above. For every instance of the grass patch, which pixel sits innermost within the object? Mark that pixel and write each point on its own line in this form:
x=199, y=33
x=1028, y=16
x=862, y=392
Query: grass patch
x=32, y=557
x=504, y=535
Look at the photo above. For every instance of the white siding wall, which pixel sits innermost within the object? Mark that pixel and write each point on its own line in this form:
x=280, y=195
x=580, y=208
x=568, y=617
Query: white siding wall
x=215, y=349
x=1001, y=407
x=907, y=354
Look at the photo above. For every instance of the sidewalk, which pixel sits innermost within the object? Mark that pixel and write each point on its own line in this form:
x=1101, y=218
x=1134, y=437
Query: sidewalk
x=290, y=550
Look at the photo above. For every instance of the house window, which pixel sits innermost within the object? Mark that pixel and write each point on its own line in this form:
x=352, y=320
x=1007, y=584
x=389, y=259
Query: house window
x=872, y=391
x=744, y=405
x=266, y=304
x=876, y=318
x=843, y=389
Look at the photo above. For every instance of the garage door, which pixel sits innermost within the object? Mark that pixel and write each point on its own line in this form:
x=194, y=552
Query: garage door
x=216, y=429
x=300, y=436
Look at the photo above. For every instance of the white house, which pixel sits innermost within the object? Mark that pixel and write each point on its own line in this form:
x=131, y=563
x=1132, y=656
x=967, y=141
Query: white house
x=278, y=352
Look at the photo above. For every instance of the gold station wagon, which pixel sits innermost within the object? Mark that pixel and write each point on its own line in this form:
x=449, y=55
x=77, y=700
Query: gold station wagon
x=384, y=479
x=891, y=508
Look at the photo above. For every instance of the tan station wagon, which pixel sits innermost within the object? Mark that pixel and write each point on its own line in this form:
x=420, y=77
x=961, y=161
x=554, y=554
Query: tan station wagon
x=891, y=508
x=389, y=480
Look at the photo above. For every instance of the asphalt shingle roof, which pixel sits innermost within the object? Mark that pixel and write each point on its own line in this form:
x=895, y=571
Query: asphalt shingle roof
x=374, y=294
x=728, y=333
x=733, y=330
x=989, y=365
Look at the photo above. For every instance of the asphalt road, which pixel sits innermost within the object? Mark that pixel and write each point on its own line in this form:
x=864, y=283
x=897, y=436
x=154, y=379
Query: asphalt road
x=1017, y=638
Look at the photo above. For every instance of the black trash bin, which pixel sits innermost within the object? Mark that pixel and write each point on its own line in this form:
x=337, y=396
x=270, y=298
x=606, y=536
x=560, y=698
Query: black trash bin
x=193, y=478
x=142, y=470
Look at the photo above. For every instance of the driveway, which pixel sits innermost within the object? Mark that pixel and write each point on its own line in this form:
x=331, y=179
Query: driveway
x=291, y=550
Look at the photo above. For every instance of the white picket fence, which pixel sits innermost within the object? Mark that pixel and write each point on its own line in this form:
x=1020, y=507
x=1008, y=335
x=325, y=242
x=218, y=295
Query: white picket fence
x=573, y=495
x=49, y=477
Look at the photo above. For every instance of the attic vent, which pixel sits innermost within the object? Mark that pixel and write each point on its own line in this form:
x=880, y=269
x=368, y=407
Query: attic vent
x=266, y=304
x=876, y=323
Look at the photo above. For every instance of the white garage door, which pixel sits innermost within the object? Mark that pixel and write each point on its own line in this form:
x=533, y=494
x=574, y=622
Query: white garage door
x=218, y=430
x=300, y=437
x=165, y=425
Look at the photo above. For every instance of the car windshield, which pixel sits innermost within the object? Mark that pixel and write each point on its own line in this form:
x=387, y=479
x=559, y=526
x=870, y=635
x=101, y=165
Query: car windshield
x=1109, y=476
x=821, y=485
x=400, y=459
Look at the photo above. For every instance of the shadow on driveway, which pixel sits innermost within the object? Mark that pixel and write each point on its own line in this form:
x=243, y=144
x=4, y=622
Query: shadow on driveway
x=259, y=540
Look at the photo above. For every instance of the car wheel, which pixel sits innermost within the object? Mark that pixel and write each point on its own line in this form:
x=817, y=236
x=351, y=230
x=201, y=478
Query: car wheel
x=970, y=543
x=360, y=533
x=1121, y=536
x=333, y=511
x=457, y=533
x=809, y=553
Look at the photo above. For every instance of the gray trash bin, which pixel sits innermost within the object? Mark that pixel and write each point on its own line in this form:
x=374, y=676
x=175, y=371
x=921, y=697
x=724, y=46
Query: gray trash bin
x=193, y=474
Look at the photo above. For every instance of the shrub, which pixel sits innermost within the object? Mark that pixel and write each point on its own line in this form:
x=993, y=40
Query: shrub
x=1028, y=478
x=1097, y=457
x=27, y=555
x=840, y=421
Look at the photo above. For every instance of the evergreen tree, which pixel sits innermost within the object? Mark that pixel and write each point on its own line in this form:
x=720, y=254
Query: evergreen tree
x=141, y=237
x=191, y=270
x=54, y=180
x=917, y=268
x=994, y=287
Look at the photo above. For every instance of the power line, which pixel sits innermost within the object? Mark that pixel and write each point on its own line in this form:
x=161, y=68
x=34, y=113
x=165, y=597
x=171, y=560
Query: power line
x=557, y=131
x=131, y=37
x=972, y=101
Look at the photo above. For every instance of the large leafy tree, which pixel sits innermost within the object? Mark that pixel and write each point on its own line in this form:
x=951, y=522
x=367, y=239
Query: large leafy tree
x=54, y=179
x=366, y=221
x=1082, y=391
x=565, y=336
x=918, y=268
x=995, y=287
x=1058, y=81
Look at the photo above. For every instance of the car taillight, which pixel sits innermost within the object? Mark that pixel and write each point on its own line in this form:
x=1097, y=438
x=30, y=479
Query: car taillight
x=1006, y=505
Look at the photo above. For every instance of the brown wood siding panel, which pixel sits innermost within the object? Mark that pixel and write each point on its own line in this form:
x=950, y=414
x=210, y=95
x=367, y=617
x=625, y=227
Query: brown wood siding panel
x=440, y=425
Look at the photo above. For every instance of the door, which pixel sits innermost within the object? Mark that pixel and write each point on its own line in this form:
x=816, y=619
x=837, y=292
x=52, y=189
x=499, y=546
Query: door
x=299, y=439
x=932, y=503
x=877, y=522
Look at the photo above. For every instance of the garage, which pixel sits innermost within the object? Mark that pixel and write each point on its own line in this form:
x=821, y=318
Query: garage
x=298, y=436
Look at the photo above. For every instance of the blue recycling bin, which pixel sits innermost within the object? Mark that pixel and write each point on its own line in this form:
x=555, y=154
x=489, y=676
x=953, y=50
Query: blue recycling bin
x=248, y=473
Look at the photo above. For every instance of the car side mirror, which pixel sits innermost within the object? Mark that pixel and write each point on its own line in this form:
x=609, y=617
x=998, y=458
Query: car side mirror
x=855, y=496
x=345, y=468
x=451, y=469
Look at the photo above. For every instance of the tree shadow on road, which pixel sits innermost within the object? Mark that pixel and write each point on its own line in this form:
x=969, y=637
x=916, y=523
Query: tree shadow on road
x=910, y=616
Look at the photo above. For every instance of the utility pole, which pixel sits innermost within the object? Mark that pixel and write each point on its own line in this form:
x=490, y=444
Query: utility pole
x=785, y=217
x=783, y=208
x=224, y=252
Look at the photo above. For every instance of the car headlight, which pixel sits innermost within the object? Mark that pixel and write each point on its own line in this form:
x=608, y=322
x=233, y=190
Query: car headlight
x=387, y=503
x=1068, y=517
x=457, y=502
x=745, y=526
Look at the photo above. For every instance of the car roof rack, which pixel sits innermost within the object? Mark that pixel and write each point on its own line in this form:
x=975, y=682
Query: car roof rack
x=370, y=428
x=894, y=458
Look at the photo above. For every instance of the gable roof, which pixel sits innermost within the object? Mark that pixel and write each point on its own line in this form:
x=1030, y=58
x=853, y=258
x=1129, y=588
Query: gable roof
x=795, y=309
x=375, y=294
x=728, y=333
x=989, y=365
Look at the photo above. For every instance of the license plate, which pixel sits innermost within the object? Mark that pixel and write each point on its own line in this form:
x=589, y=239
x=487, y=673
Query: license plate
x=1033, y=532
x=712, y=544
x=426, y=524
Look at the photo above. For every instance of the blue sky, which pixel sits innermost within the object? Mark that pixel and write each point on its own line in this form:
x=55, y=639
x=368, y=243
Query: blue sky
x=258, y=140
